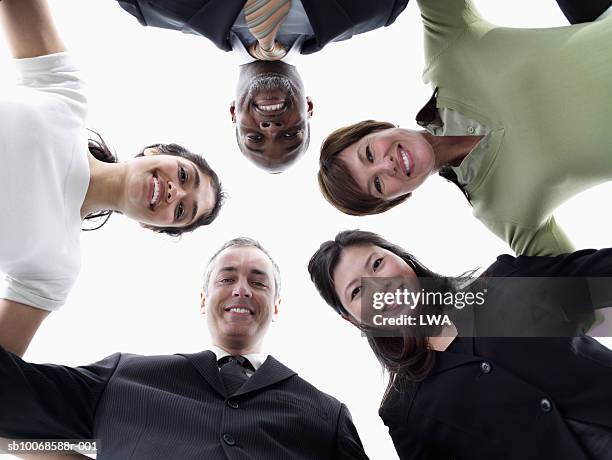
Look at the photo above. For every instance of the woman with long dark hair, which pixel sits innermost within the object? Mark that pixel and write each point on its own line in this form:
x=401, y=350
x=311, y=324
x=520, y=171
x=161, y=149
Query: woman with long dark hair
x=519, y=121
x=469, y=396
x=56, y=174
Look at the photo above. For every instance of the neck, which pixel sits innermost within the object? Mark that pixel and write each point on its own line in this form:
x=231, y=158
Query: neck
x=450, y=150
x=106, y=184
x=241, y=349
x=442, y=341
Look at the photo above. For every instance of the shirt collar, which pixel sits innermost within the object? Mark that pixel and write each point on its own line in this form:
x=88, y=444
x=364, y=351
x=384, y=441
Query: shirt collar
x=256, y=359
x=244, y=57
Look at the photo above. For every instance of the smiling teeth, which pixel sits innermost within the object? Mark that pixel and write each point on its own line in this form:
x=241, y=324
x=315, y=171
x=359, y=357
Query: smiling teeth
x=406, y=161
x=270, y=108
x=155, y=190
x=240, y=310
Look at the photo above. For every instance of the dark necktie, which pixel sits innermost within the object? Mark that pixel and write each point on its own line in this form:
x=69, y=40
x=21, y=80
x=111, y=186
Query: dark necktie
x=233, y=372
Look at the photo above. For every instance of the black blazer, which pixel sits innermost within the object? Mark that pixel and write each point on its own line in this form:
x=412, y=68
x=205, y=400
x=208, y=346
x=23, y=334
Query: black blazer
x=577, y=11
x=511, y=398
x=174, y=407
x=331, y=20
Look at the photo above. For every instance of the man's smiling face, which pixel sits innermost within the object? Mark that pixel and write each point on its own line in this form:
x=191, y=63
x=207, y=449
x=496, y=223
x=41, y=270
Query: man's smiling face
x=271, y=115
x=240, y=299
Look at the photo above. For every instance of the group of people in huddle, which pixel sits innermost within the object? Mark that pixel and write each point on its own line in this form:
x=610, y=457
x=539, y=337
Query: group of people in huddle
x=519, y=121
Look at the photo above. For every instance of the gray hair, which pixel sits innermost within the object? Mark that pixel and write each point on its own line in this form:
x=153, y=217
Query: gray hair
x=244, y=242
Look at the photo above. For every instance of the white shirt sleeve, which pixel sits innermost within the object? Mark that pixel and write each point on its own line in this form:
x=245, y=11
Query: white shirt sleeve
x=44, y=152
x=54, y=74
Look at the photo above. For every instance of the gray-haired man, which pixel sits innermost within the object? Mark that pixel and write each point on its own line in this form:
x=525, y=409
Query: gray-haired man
x=229, y=402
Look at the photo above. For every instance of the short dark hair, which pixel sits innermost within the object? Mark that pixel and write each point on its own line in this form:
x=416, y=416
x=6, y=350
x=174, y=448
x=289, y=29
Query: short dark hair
x=336, y=183
x=205, y=219
x=406, y=358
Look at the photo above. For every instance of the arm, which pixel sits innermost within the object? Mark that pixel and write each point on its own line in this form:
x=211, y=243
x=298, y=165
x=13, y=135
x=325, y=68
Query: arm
x=577, y=11
x=591, y=263
x=29, y=28
x=348, y=444
x=547, y=240
x=592, y=266
x=18, y=324
x=48, y=401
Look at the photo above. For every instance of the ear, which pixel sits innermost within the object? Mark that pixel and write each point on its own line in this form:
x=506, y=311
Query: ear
x=150, y=151
x=202, y=303
x=310, y=106
x=276, y=305
x=233, y=111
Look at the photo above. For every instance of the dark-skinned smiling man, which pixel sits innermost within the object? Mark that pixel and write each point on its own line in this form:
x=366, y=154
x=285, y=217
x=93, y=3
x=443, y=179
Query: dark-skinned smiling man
x=271, y=110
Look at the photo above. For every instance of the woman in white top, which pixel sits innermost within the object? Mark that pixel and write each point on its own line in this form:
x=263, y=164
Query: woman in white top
x=53, y=176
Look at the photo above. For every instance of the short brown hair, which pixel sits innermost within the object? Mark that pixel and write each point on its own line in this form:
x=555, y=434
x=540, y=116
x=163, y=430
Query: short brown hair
x=336, y=183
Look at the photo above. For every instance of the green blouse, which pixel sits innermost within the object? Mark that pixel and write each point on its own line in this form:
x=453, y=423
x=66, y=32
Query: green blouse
x=544, y=98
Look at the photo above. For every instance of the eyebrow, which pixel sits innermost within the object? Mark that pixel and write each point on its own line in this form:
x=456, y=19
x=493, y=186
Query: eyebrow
x=365, y=266
x=254, y=271
x=196, y=176
x=196, y=186
x=363, y=161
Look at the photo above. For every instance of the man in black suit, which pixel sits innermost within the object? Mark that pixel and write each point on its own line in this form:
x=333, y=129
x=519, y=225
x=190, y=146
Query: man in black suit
x=271, y=109
x=229, y=402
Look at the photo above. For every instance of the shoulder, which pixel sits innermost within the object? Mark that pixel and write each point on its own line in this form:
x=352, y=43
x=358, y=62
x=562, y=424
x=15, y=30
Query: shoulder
x=305, y=391
x=508, y=265
x=131, y=359
x=56, y=76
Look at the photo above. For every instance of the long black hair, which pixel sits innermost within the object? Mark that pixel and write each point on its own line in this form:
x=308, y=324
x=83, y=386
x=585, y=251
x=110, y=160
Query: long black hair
x=100, y=150
x=408, y=359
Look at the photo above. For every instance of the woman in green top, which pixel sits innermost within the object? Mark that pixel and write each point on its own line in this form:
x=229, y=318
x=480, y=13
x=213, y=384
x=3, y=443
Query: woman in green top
x=521, y=120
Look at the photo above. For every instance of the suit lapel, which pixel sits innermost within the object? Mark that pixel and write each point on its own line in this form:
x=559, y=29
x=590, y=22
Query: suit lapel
x=214, y=21
x=328, y=21
x=269, y=373
x=206, y=364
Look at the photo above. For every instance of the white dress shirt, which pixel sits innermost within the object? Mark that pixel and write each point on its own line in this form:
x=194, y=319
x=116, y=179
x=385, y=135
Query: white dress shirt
x=292, y=33
x=256, y=359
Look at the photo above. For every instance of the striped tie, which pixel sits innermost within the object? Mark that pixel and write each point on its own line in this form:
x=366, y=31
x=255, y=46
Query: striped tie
x=264, y=18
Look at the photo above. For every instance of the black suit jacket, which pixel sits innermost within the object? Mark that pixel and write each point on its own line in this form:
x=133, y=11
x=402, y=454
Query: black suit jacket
x=175, y=407
x=331, y=20
x=577, y=11
x=511, y=398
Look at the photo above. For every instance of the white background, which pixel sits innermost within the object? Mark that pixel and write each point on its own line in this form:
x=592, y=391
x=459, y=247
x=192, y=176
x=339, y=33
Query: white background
x=138, y=292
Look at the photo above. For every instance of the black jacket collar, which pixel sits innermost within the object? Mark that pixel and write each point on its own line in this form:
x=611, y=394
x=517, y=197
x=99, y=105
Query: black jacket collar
x=269, y=373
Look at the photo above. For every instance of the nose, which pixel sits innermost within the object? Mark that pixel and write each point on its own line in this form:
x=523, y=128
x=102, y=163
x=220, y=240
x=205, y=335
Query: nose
x=271, y=126
x=242, y=289
x=386, y=165
x=174, y=192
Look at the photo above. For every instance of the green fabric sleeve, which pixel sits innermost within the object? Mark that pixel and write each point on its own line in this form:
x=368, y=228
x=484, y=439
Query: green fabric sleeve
x=444, y=21
x=548, y=240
